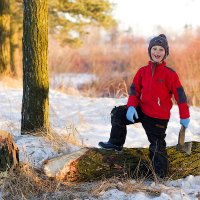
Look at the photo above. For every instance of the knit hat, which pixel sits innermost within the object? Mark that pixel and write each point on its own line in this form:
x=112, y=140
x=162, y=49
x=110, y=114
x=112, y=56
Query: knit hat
x=160, y=40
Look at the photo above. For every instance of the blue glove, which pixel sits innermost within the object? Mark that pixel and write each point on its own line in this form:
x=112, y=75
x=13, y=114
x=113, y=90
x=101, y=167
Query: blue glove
x=131, y=112
x=185, y=122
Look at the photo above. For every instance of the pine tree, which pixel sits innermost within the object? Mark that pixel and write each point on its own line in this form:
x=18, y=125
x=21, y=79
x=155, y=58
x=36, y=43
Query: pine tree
x=69, y=19
x=35, y=103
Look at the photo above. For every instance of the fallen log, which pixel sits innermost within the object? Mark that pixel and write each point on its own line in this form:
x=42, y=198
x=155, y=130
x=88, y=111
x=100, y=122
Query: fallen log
x=93, y=163
x=9, y=152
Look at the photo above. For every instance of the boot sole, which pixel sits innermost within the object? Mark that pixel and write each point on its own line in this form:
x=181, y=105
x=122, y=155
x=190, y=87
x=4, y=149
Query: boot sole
x=109, y=149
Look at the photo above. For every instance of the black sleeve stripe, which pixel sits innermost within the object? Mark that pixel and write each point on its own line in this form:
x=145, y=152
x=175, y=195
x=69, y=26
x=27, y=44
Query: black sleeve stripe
x=132, y=90
x=181, y=95
x=170, y=68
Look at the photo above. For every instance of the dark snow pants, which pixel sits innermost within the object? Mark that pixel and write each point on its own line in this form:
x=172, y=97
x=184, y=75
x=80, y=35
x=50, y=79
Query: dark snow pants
x=155, y=131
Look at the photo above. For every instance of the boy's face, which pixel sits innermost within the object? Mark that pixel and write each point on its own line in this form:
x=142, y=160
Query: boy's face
x=157, y=53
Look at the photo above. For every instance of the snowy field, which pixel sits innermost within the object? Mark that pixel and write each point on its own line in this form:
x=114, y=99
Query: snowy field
x=91, y=118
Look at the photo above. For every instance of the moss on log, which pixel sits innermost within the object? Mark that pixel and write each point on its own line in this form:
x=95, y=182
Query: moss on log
x=96, y=164
x=181, y=164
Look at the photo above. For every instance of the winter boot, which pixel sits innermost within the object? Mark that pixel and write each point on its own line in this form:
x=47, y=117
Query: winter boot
x=110, y=146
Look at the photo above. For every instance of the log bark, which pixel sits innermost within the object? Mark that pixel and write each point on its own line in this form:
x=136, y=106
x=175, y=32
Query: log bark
x=9, y=152
x=92, y=164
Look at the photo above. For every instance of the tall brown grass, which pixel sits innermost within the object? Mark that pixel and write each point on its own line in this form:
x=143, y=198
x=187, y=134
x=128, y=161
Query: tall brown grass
x=187, y=63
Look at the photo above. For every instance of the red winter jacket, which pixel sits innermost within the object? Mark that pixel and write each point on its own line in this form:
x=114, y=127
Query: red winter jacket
x=153, y=91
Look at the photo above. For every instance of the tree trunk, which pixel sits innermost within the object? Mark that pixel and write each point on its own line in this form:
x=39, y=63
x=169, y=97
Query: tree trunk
x=16, y=10
x=35, y=103
x=92, y=164
x=14, y=38
x=4, y=37
x=9, y=153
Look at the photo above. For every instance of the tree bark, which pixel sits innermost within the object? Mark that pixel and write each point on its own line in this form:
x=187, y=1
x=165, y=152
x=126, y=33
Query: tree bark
x=35, y=103
x=15, y=42
x=14, y=49
x=93, y=163
x=4, y=37
x=9, y=153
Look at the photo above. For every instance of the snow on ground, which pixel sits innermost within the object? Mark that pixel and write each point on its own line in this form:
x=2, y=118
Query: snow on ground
x=71, y=80
x=91, y=118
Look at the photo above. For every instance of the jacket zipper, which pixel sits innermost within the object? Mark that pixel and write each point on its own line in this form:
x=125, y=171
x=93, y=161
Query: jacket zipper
x=159, y=104
x=159, y=101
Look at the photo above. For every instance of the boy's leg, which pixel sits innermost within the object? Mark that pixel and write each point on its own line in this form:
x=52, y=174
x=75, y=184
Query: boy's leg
x=118, y=122
x=155, y=130
x=118, y=130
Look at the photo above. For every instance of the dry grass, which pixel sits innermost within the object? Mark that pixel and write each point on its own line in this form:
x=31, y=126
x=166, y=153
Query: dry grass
x=132, y=183
x=25, y=182
x=106, y=88
x=128, y=186
x=187, y=64
x=72, y=136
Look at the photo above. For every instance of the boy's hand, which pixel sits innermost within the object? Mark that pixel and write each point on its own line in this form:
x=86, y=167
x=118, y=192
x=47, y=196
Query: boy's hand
x=185, y=122
x=131, y=113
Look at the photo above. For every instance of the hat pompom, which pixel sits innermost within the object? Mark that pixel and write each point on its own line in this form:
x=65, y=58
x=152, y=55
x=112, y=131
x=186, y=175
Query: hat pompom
x=163, y=36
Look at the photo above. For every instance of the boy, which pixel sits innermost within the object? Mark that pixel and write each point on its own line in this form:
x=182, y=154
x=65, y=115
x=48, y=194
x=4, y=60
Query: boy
x=150, y=103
